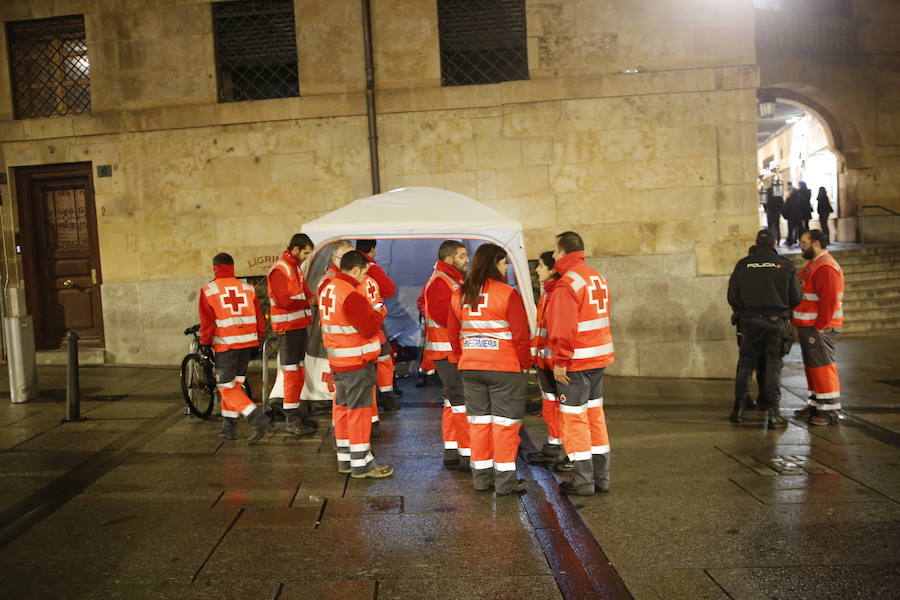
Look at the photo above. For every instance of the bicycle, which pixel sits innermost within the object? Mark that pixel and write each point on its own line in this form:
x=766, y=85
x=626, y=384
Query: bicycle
x=198, y=378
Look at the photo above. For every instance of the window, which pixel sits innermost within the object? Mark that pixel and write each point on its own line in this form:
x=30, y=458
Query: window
x=482, y=41
x=49, y=67
x=256, y=49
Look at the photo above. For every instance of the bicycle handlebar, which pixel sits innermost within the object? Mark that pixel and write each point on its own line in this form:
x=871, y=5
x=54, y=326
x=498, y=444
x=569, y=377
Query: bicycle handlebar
x=192, y=330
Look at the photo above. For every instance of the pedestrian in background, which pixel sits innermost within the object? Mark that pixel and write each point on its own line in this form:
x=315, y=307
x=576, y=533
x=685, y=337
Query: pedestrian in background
x=806, y=202
x=823, y=207
x=794, y=212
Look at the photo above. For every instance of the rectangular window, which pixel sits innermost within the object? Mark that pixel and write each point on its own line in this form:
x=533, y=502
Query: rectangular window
x=256, y=50
x=49, y=66
x=482, y=41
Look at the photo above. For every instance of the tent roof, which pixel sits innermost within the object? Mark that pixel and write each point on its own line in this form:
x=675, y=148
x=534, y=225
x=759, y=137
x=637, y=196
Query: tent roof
x=413, y=210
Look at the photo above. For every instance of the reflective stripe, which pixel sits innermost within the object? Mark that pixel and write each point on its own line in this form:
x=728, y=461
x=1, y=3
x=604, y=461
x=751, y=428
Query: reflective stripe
x=211, y=289
x=541, y=332
x=505, y=466
x=339, y=329
x=359, y=447
x=383, y=357
x=432, y=323
x=482, y=464
x=484, y=324
x=300, y=296
x=578, y=281
x=354, y=351
x=446, y=403
x=361, y=462
x=550, y=397
x=225, y=386
x=291, y=316
x=595, y=403
x=343, y=456
x=342, y=443
x=505, y=421
x=479, y=420
x=545, y=353
x=838, y=314
x=248, y=409
x=828, y=395
x=291, y=405
x=821, y=406
x=290, y=367
x=385, y=388
x=375, y=418
x=230, y=414
x=805, y=316
x=586, y=455
x=235, y=339
x=497, y=335
x=808, y=296
x=236, y=321
x=439, y=346
x=592, y=351
x=572, y=410
x=554, y=441
x=458, y=410
x=465, y=452
x=451, y=445
x=600, y=449
x=241, y=378
x=593, y=324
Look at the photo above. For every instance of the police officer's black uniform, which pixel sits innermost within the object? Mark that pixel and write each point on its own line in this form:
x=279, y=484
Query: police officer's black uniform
x=762, y=290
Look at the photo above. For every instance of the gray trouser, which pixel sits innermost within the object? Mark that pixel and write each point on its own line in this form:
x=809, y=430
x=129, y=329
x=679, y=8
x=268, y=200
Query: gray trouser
x=495, y=404
x=583, y=425
x=453, y=388
x=818, y=362
x=352, y=416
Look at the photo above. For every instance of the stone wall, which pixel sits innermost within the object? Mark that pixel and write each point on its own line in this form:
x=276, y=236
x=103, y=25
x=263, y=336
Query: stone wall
x=656, y=169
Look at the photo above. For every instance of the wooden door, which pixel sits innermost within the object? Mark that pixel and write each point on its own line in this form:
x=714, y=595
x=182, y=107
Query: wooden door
x=58, y=228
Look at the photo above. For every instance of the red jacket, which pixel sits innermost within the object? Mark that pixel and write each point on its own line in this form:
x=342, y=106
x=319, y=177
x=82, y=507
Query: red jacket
x=359, y=313
x=518, y=325
x=387, y=287
x=330, y=272
x=208, y=315
x=437, y=295
x=281, y=293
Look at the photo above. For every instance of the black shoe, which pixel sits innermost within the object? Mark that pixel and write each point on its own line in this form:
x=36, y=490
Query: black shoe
x=388, y=402
x=776, y=421
x=539, y=458
x=564, y=466
x=398, y=392
x=299, y=429
x=518, y=488
x=566, y=487
x=737, y=411
x=601, y=487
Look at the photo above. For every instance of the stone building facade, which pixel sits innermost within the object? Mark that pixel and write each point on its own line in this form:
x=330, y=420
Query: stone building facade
x=635, y=128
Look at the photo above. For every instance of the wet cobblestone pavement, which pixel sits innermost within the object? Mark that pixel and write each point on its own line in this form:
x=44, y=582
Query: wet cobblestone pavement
x=140, y=501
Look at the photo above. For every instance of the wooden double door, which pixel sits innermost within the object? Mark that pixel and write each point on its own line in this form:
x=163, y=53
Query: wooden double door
x=60, y=254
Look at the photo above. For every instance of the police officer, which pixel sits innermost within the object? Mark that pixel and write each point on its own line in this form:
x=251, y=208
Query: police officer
x=762, y=290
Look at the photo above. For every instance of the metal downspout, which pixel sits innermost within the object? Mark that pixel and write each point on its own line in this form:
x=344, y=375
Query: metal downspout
x=370, y=96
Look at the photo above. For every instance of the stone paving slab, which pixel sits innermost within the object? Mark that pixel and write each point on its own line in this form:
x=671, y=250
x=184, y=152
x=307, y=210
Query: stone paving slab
x=230, y=589
x=471, y=588
x=811, y=582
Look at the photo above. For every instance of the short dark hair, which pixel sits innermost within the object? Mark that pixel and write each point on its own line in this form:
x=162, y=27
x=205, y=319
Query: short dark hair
x=353, y=259
x=223, y=258
x=765, y=238
x=816, y=235
x=300, y=240
x=365, y=246
x=569, y=241
x=449, y=248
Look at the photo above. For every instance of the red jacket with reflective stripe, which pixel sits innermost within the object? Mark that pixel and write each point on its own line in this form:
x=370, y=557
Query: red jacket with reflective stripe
x=370, y=289
x=385, y=284
x=822, y=282
x=578, y=333
x=349, y=324
x=437, y=294
x=230, y=317
x=493, y=334
x=539, y=351
x=289, y=295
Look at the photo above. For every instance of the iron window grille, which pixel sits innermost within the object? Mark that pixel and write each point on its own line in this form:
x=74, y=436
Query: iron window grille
x=482, y=41
x=256, y=50
x=51, y=72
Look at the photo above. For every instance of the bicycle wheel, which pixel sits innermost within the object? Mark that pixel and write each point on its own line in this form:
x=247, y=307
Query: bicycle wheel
x=198, y=385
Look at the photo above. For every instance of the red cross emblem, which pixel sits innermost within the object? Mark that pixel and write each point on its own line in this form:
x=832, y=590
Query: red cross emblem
x=328, y=380
x=597, y=294
x=326, y=302
x=371, y=290
x=482, y=303
x=234, y=300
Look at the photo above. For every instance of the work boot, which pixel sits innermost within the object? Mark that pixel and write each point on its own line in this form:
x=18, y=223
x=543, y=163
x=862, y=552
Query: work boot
x=397, y=391
x=518, y=488
x=261, y=425
x=376, y=429
x=451, y=457
x=306, y=416
x=377, y=472
x=539, y=458
x=737, y=411
x=295, y=424
x=564, y=466
x=776, y=421
x=229, y=428
x=567, y=488
x=388, y=401
x=824, y=417
x=805, y=413
x=601, y=472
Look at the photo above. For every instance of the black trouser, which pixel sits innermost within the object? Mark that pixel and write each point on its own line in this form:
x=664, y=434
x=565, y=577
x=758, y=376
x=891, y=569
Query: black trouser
x=795, y=228
x=762, y=342
x=759, y=361
x=773, y=217
x=823, y=225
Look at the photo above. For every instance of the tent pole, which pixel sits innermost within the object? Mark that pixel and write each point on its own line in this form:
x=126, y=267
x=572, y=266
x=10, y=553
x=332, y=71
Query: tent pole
x=370, y=96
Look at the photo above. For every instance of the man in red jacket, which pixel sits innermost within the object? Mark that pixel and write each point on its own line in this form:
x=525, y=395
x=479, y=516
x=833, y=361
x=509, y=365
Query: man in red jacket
x=350, y=326
x=291, y=303
x=580, y=341
x=231, y=323
x=387, y=397
x=338, y=250
x=435, y=305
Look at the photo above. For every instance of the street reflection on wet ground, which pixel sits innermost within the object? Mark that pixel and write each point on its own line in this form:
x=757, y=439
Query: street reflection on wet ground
x=139, y=501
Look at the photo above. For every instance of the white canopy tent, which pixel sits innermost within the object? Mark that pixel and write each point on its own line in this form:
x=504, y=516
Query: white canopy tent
x=409, y=224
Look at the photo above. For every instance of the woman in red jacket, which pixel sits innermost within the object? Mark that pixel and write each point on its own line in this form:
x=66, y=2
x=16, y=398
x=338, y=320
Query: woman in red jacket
x=551, y=452
x=489, y=332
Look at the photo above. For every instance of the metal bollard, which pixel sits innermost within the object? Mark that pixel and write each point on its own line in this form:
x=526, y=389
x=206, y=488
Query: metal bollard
x=73, y=392
x=264, y=354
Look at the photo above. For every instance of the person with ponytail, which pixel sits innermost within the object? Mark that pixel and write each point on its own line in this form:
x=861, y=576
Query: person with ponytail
x=489, y=333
